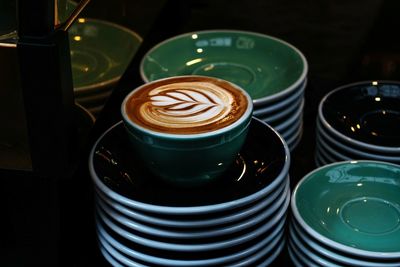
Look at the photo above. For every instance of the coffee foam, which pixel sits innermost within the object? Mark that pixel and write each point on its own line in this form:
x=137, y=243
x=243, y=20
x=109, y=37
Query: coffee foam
x=186, y=106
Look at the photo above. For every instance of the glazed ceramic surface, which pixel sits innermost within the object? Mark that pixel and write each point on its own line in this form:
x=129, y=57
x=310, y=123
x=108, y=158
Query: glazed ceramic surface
x=259, y=169
x=188, y=159
x=306, y=252
x=263, y=65
x=368, y=112
x=100, y=52
x=330, y=254
x=263, y=245
x=280, y=106
x=200, y=222
x=353, y=205
x=195, y=235
x=163, y=247
x=352, y=152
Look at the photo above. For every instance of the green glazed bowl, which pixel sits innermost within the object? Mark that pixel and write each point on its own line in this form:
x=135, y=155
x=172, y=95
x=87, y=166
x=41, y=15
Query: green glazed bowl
x=266, y=67
x=100, y=52
x=352, y=206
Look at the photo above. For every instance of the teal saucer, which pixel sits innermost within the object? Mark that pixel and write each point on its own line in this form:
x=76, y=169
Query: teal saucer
x=353, y=206
x=266, y=67
x=100, y=52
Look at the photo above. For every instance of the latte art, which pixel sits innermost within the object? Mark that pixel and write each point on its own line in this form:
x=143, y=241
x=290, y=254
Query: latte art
x=184, y=105
x=187, y=107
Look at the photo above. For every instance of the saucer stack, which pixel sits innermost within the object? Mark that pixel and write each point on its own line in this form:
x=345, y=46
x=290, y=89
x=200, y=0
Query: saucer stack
x=359, y=121
x=100, y=53
x=347, y=214
x=284, y=114
x=272, y=71
x=237, y=220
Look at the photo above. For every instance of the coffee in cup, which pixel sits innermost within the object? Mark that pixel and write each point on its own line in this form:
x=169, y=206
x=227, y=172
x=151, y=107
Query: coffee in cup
x=187, y=129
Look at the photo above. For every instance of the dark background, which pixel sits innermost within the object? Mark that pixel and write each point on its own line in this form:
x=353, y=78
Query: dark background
x=49, y=222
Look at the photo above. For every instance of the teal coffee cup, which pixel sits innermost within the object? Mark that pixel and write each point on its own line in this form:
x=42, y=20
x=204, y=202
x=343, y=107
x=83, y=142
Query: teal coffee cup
x=187, y=129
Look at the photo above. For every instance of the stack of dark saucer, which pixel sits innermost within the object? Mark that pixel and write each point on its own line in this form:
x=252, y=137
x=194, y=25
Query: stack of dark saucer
x=360, y=121
x=237, y=220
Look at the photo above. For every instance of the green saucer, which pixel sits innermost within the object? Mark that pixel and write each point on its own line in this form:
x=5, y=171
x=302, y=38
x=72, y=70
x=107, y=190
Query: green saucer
x=355, y=204
x=264, y=66
x=100, y=52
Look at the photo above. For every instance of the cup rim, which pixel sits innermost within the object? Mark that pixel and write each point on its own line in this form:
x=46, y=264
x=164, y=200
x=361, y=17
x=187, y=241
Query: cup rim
x=329, y=127
x=326, y=240
x=259, y=101
x=191, y=209
x=245, y=116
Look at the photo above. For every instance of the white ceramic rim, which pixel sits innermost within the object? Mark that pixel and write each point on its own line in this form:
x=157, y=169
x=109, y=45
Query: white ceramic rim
x=357, y=143
x=293, y=144
x=307, y=252
x=279, y=217
x=117, y=255
x=355, y=151
x=159, y=232
x=276, y=245
x=282, y=104
x=299, y=257
x=325, y=147
x=319, y=161
x=115, y=79
x=109, y=258
x=259, y=101
x=275, y=235
x=325, y=156
x=293, y=257
x=248, y=112
x=277, y=252
x=293, y=140
x=293, y=130
x=279, y=114
x=297, y=115
x=318, y=249
x=183, y=224
x=195, y=209
x=327, y=241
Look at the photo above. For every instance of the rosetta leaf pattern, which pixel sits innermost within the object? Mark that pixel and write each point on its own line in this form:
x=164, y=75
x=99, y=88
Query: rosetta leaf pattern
x=183, y=100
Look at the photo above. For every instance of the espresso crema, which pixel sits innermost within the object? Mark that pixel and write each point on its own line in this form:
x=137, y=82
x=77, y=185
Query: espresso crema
x=189, y=105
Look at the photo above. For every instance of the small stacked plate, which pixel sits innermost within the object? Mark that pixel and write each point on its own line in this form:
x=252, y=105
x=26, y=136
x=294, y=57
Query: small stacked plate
x=100, y=53
x=359, y=121
x=236, y=220
x=347, y=214
x=272, y=71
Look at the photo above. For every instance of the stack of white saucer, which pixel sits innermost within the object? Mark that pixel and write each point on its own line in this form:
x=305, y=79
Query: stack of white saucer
x=284, y=112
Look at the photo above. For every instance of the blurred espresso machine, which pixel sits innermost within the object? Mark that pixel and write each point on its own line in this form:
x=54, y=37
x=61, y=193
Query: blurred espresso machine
x=38, y=132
